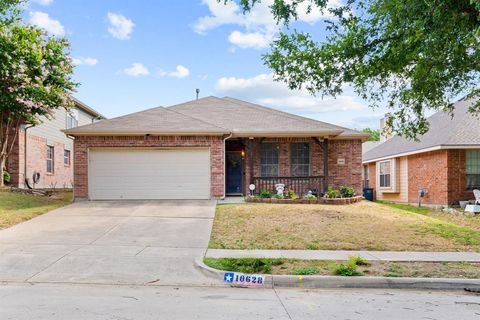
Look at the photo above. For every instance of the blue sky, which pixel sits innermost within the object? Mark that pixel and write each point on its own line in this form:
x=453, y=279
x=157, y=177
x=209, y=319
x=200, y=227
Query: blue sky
x=134, y=55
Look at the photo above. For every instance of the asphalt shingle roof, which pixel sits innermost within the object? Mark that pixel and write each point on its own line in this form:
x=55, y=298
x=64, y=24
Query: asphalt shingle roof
x=216, y=116
x=460, y=130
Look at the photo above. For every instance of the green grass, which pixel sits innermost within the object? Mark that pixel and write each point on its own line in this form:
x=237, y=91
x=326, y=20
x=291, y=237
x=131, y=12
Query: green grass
x=409, y=208
x=352, y=267
x=244, y=265
x=18, y=207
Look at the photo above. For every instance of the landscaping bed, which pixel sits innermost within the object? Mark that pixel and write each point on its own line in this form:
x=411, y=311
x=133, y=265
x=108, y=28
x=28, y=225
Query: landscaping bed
x=16, y=207
x=465, y=270
x=360, y=226
x=321, y=200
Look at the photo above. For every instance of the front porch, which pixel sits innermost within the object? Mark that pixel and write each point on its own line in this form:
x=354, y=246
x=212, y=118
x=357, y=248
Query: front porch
x=299, y=163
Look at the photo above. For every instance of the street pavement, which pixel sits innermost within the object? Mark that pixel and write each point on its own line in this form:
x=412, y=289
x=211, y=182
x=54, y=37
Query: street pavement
x=85, y=302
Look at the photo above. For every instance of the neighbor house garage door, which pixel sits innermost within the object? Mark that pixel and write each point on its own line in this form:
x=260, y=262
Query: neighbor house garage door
x=149, y=174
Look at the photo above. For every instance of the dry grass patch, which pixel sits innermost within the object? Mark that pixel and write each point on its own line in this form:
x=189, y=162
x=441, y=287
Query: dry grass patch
x=361, y=226
x=18, y=207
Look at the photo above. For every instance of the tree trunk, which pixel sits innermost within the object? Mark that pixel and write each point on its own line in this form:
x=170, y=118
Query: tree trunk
x=2, y=165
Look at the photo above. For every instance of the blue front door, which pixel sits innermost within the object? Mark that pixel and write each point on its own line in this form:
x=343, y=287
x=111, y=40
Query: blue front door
x=234, y=172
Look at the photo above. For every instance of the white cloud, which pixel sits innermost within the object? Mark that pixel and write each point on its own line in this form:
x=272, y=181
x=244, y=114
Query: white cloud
x=180, y=72
x=43, y=20
x=86, y=61
x=255, y=40
x=120, y=27
x=43, y=2
x=264, y=90
x=259, y=24
x=137, y=70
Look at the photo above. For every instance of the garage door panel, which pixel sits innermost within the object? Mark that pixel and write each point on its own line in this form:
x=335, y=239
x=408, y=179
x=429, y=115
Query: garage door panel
x=149, y=174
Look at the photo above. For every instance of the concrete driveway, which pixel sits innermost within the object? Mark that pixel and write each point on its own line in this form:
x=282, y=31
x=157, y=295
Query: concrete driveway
x=110, y=242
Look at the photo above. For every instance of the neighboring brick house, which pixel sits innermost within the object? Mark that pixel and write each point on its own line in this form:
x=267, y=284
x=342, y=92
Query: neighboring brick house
x=48, y=150
x=445, y=162
x=211, y=147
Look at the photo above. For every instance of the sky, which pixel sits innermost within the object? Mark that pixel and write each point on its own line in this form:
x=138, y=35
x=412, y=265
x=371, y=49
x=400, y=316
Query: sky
x=134, y=55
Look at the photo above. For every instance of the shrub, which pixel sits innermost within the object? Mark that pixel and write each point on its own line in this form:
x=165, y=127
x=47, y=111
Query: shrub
x=6, y=176
x=311, y=196
x=346, y=192
x=358, y=261
x=308, y=271
x=279, y=196
x=265, y=194
x=347, y=270
x=333, y=193
x=291, y=194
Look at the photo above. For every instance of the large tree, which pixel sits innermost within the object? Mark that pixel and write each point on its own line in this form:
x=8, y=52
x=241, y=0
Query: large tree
x=35, y=76
x=412, y=55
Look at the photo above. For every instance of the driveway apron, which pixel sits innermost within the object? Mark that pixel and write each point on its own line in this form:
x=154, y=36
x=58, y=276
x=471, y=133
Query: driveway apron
x=111, y=242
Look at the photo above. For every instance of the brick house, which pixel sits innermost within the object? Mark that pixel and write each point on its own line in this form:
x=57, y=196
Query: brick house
x=47, y=150
x=445, y=162
x=209, y=148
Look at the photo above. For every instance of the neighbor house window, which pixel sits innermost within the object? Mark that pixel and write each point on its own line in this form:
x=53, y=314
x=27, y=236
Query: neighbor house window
x=50, y=154
x=72, y=119
x=473, y=169
x=300, y=159
x=66, y=157
x=269, y=159
x=366, y=176
x=385, y=174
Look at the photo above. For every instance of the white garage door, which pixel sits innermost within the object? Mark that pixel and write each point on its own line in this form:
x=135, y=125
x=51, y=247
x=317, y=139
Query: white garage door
x=149, y=174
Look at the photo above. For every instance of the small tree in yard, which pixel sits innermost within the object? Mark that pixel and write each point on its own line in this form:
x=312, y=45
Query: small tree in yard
x=35, y=76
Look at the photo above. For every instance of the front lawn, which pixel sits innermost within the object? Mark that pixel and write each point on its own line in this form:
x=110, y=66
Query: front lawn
x=366, y=268
x=18, y=207
x=361, y=226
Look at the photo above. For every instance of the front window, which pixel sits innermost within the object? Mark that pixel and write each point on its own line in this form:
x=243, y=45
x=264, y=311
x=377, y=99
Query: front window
x=50, y=155
x=385, y=174
x=66, y=157
x=269, y=159
x=473, y=169
x=300, y=159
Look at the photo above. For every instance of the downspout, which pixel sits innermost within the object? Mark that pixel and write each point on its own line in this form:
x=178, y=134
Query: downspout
x=225, y=165
x=25, y=182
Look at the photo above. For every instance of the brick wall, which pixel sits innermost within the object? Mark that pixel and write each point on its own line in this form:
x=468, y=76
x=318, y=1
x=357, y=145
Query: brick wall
x=62, y=176
x=349, y=174
x=428, y=170
x=82, y=144
x=457, y=179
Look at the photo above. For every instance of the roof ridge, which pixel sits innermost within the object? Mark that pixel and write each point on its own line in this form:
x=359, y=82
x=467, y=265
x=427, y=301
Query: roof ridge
x=286, y=114
x=200, y=120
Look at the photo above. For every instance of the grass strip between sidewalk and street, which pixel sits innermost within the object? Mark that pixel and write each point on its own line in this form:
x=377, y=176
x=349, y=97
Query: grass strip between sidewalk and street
x=354, y=267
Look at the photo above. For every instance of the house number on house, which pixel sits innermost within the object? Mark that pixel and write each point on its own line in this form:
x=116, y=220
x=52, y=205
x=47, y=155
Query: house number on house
x=243, y=280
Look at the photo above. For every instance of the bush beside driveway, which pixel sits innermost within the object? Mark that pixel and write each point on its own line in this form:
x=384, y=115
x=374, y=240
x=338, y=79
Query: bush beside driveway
x=361, y=226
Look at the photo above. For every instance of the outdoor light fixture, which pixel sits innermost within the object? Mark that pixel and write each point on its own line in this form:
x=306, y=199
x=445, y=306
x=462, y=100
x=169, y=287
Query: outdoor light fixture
x=242, y=153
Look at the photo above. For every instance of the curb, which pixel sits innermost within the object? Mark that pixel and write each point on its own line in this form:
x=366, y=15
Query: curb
x=332, y=282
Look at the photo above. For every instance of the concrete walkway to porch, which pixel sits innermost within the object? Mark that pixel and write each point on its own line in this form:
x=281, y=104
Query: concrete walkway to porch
x=397, y=256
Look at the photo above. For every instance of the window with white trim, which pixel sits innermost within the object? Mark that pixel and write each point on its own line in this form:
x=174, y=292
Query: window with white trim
x=66, y=157
x=72, y=118
x=385, y=174
x=473, y=169
x=50, y=157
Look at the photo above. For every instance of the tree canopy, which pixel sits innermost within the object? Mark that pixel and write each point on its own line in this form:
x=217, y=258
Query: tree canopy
x=412, y=55
x=374, y=134
x=35, y=76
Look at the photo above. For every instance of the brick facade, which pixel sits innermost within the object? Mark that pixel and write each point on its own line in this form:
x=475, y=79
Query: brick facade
x=349, y=173
x=62, y=176
x=83, y=143
x=441, y=173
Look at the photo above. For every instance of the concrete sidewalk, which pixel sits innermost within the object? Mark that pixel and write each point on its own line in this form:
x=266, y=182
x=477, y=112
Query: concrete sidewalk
x=343, y=255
